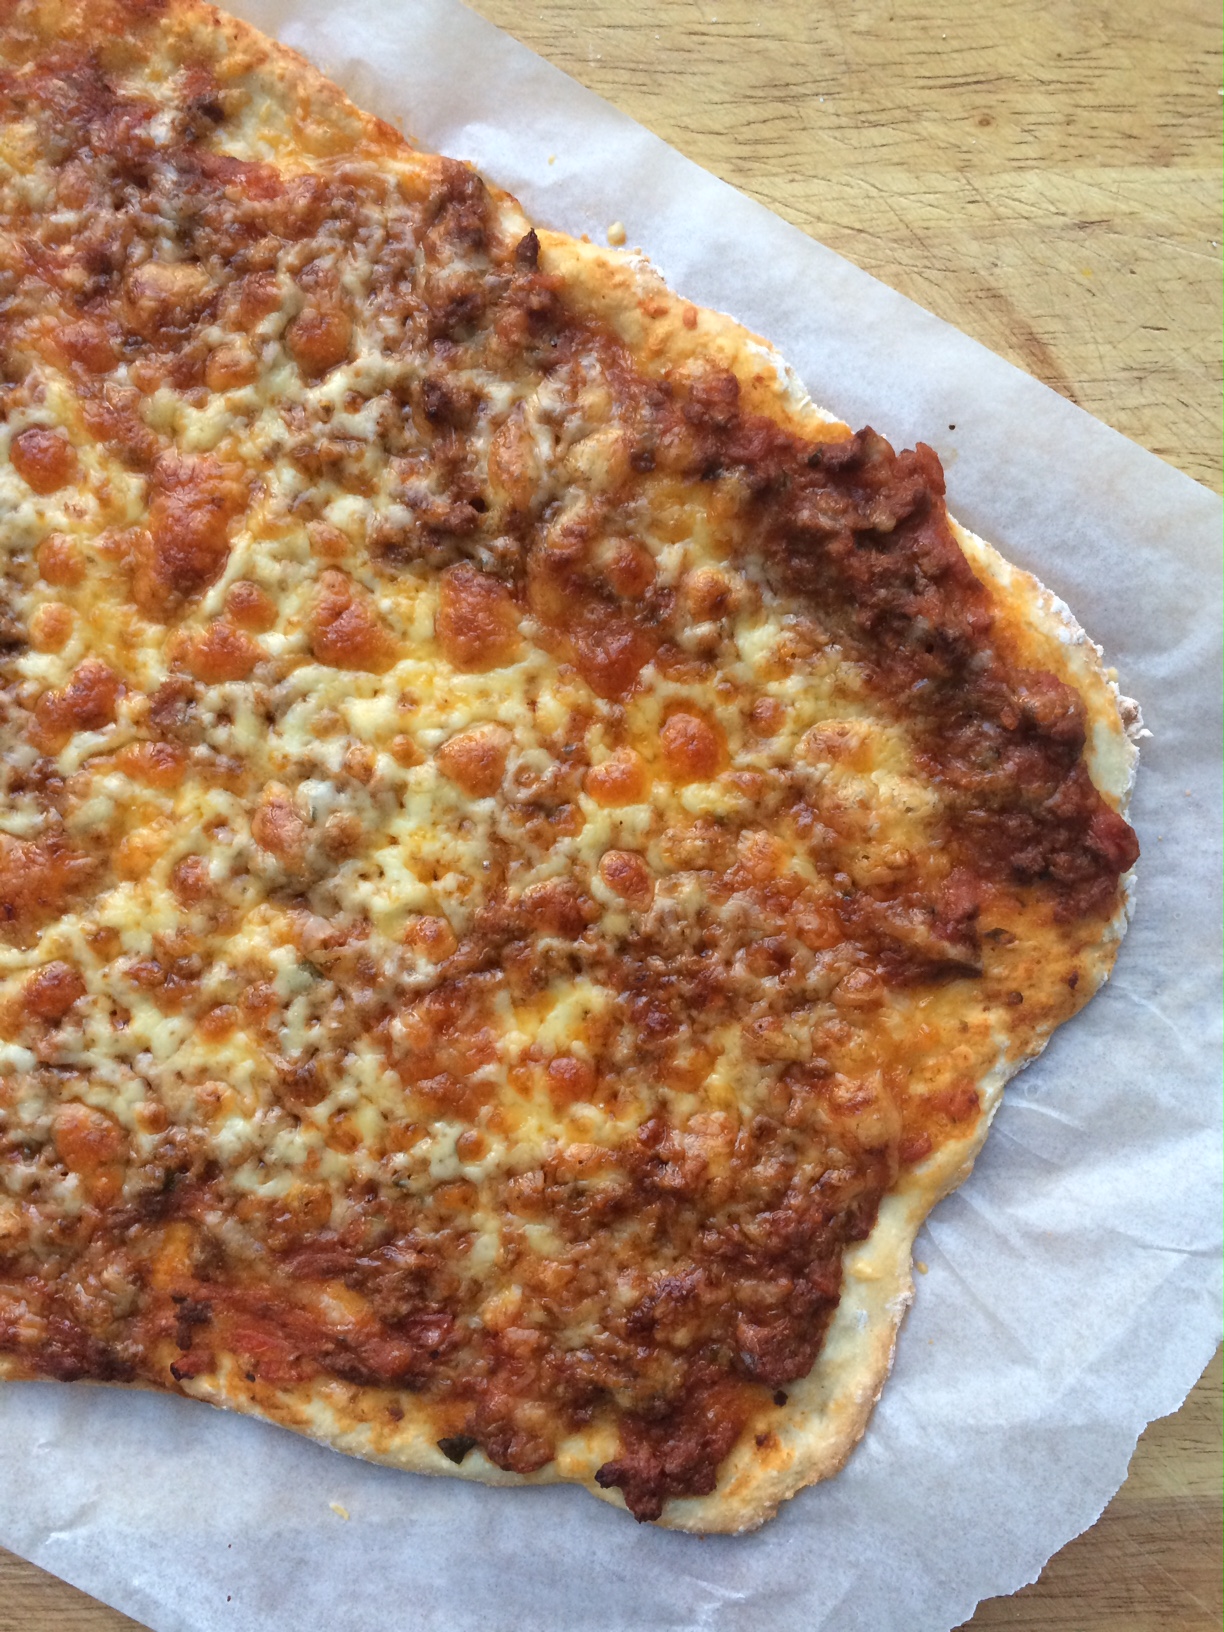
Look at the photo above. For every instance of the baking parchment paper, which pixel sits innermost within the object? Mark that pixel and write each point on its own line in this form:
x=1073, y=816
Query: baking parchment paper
x=1074, y=1282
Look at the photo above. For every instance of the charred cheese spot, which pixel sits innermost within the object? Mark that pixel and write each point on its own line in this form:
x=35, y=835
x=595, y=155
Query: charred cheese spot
x=555, y=907
x=279, y=827
x=346, y=631
x=86, y=703
x=432, y=937
x=59, y=561
x=222, y=652
x=90, y=1144
x=477, y=622
x=89, y=345
x=38, y=879
x=51, y=626
x=628, y=876
x=250, y=298
x=162, y=295
x=766, y=716
x=476, y=760
x=85, y=1139
x=194, y=505
x=51, y=991
x=231, y=366
x=709, y=594
x=629, y=567
x=159, y=764
x=570, y=1080
x=319, y=338
x=327, y=542
x=342, y=833
x=250, y=607
x=761, y=856
x=514, y=470
x=191, y=881
x=44, y=459
x=610, y=653
x=692, y=747
x=360, y=762
x=621, y=779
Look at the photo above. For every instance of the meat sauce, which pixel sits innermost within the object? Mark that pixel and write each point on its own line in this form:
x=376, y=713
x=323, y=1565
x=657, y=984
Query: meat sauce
x=736, y=1222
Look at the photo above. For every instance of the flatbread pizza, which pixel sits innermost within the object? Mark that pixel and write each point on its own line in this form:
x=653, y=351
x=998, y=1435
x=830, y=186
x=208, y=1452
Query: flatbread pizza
x=528, y=850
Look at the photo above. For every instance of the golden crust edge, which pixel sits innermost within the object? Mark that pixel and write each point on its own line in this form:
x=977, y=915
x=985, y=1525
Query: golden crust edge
x=624, y=291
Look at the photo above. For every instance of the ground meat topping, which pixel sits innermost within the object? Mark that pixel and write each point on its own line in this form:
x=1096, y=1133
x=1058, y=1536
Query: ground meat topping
x=510, y=853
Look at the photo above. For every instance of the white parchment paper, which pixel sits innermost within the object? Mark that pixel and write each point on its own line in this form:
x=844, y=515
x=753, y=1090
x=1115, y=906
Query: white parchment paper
x=1074, y=1281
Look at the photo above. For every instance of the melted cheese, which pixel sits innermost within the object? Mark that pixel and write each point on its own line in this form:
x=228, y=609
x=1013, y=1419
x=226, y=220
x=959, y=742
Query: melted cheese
x=477, y=843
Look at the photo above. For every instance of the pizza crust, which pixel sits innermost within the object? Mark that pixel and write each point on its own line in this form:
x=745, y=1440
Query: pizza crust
x=827, y=1411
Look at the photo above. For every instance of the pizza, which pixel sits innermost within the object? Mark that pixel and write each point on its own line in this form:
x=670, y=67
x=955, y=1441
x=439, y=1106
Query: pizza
x=528, y=850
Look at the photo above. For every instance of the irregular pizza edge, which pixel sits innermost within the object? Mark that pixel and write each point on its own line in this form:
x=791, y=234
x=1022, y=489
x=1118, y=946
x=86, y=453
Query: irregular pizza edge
x=827, y=1412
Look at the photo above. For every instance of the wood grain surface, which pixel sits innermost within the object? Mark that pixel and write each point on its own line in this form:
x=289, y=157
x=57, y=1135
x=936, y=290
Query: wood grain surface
x=1047, y=178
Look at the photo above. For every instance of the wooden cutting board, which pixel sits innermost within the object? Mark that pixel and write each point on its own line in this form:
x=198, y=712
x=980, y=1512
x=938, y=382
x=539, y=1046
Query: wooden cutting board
x=1047, y=178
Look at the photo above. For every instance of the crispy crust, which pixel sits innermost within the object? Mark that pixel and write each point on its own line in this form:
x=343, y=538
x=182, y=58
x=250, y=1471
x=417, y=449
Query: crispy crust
x=829, y=1409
